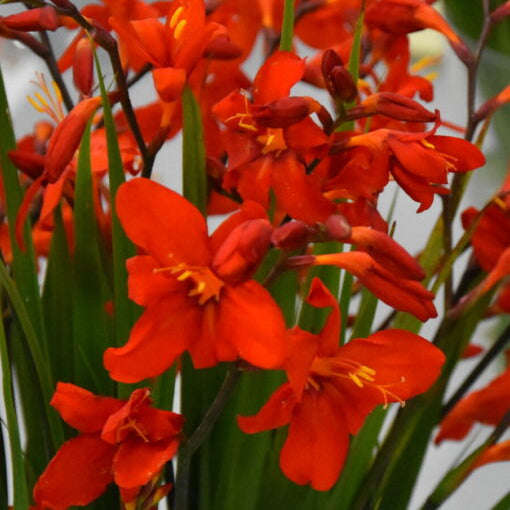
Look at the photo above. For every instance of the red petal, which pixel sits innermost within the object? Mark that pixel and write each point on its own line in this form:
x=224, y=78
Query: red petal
x=163, y=223
x=82, y=409
x=77, y=475
x=147, y=286
x=161, y=334
x=252, y=322
x=276, y=77
x=276, y=412
x=317, y=444
x=136, y=462
x=169, y=83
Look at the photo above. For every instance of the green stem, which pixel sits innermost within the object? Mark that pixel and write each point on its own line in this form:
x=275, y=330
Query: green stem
x=199, y=435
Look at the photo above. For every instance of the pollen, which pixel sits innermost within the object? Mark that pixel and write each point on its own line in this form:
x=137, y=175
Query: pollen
x=205, y=285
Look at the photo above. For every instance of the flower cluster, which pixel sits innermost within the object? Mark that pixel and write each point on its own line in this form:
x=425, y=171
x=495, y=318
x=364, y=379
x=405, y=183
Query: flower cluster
x=153, y=290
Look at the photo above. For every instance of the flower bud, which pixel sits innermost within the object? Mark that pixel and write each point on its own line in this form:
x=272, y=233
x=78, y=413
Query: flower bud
x=395, y=106
x=338, y=80
x=337, y=227
x=41, y=18
x=501, y=12
x=67, y=136
x=284, y=111
x=83, y=67
x=292, y=235
x=242, y=251
x=222, y=48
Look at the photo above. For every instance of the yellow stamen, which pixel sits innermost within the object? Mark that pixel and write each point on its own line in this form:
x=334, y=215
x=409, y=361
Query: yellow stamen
x=427, y=144
x=36, y=105
x=175, y=17
x=179, y=28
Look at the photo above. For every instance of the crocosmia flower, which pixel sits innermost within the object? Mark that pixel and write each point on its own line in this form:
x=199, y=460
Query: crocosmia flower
x=197, y=290
x=332, y=389
x=123, y=441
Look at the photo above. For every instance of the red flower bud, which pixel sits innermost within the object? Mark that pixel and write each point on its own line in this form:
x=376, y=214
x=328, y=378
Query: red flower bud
x=292, y=235
x=222, y=48
x=41, y=18
x=395, y=106
x=284, y=111
x=67, y=136
x=337, y=227
x=338, y=80
x=501, y=12
x=83, y=67
x=242, y=251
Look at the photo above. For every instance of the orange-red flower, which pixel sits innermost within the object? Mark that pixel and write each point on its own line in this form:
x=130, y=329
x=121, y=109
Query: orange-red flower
x=487, y=405
x=126, y=442
x=196, y=289
x=332, y=389
x=419, y=162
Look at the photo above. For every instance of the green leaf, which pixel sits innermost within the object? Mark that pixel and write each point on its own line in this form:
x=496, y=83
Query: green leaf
x=44, y=378
x=125, y=311
x=194, y=175
x=503, y=503
x=91, y=326
x=58, y=304
x=21, y=494
x=287, y=33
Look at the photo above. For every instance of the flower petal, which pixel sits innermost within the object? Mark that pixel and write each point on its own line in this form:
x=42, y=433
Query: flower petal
x=82, y=409
x=163, y=223
x=136, y=461
x=161, y=334
x=77, y=475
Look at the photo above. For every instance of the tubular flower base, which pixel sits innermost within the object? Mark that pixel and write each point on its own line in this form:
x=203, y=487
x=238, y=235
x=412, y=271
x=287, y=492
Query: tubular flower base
x=331, y=390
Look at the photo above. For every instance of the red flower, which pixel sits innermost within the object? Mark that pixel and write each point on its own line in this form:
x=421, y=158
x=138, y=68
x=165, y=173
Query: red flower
x=196, y=289
x=126, y=442
x=332, y=389
x=487, y=405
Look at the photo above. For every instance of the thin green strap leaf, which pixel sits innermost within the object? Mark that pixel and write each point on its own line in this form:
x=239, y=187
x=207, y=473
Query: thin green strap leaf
x=23, y=264
x=91, y=331
x=194, y=175
x=41, y=367
x=503, y=503
x=57, y=302
x=287, y=26
x=21, y=494
x=125, y=311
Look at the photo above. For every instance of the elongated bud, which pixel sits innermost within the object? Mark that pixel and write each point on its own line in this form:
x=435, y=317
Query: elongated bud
x=395, y=106
x=387, y=252
x=242, y=251
x=284, y=111
x=41, y=18
x=292, y=235
x=337, y=78
x=501, y=12
x=67, y=136
x=28, y=162
x=83, y=67
x=490, y=106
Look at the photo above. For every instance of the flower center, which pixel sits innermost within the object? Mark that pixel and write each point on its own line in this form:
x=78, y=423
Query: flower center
x=272, y=141
x=205, y=284
x=361, y=375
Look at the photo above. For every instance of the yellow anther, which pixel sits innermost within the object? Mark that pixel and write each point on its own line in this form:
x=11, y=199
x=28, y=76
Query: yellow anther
x=175, y=17
x=431, y=76
x=56, y=89
x=356, y=380
x=197, y=290
x=36, y=105
x=185, y=275
x=179, y=28
x=427, y=144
